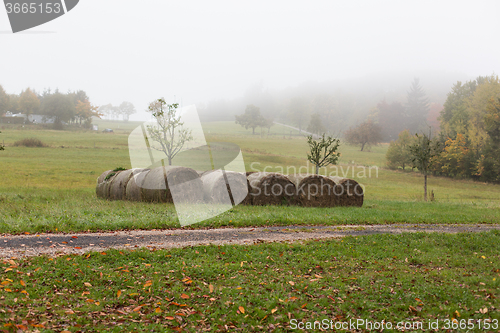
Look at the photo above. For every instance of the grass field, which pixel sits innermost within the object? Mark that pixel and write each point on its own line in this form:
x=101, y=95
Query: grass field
x=411, y=278
x=52, y=189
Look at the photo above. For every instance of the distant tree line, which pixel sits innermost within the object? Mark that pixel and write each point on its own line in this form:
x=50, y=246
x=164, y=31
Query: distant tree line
x=71, y=108
x=125, y=110
x=468, y=145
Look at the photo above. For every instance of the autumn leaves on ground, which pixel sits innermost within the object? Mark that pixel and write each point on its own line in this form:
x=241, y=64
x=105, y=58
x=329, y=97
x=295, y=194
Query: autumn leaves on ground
x=409, y=278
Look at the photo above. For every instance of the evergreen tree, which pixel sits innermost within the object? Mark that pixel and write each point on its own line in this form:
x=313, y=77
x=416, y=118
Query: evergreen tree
x=417, y=107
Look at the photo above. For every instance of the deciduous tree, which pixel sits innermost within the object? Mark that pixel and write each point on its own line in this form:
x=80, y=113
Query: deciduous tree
x=423, y=151
x=323, y=152
x=399, y=154
x=4, y=101
x=28, y=102
x=251, y=118
x=365, y=134
x=126, y=109
x=169, y=133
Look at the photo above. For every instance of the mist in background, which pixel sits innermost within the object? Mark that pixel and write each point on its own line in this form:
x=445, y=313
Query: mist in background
x=223, y=55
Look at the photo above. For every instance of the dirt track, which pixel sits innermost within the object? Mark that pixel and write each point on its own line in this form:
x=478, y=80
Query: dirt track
x=53, y=244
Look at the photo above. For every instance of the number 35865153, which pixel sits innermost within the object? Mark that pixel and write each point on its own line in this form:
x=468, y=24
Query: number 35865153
x=33, y=8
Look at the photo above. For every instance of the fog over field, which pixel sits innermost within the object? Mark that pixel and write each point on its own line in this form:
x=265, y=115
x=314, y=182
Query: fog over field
x=223, y=55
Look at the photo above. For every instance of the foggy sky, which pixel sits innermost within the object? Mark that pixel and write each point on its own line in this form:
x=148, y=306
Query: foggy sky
x=197, y=51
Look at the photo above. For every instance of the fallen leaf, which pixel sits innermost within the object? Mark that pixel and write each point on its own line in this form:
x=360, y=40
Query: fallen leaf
x=242, y=309
x=137, y=309
x=483, y=311
x=184, y=296
x=274, y=310
x=158, y=310
x=303, y=305
x=211, y=288
x=169, y=318
x=291, y=283
x=87, y=284
x=147, y=284
x=118, y=293
x=22, y=283
x=74, y=237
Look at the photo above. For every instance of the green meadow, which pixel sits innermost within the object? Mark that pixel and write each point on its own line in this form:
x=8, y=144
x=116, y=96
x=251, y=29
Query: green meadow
x=53, y=188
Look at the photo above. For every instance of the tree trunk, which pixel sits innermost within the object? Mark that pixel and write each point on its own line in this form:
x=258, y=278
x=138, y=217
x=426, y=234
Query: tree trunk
x=317, y=169
x=425, y=187
x=169, y=160
x=253, y=130
x=362, y=146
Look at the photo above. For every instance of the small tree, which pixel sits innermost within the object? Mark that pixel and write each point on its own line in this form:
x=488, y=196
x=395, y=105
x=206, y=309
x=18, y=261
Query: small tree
x=365, y=134
x=323, y=151
x=423, y=151
x=399, y=154
x=251, y=118
x=169, y=132
x=1, y=146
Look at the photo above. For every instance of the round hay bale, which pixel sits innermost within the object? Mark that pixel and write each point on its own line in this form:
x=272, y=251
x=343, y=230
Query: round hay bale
x=349, y=192
x=102, y=176
x=133, y=190
x=99, y=189
x=216, y=190
x=118, y=188
x=103, y=188
x=158, y=181
x=270, y=188
x=314, y=190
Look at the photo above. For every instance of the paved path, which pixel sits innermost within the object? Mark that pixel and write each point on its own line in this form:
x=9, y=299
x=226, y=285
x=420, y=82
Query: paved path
x=53, y=244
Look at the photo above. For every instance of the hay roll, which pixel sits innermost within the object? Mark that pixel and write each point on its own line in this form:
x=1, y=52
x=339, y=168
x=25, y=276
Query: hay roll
x=314, y=190
x=118, y=188
x=269, y=188
x=103, y=188
x=248, y=199
x=133, y=190
x=159, y=181
x=99, y=189
x=349, y=192
x=216, y=190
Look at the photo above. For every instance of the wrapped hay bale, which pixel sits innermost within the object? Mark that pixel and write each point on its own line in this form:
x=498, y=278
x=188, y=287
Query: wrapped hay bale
x=159, y=181
x=270, y=188
x=118, y=188
x=314, y=190
x=216, y=190
x=133, y=190
x=348, y=191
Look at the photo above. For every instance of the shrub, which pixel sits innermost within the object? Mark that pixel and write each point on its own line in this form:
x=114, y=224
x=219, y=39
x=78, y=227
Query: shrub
x=30, y=142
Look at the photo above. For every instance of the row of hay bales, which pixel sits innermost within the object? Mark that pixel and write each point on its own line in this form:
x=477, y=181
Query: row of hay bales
x=251, y=188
